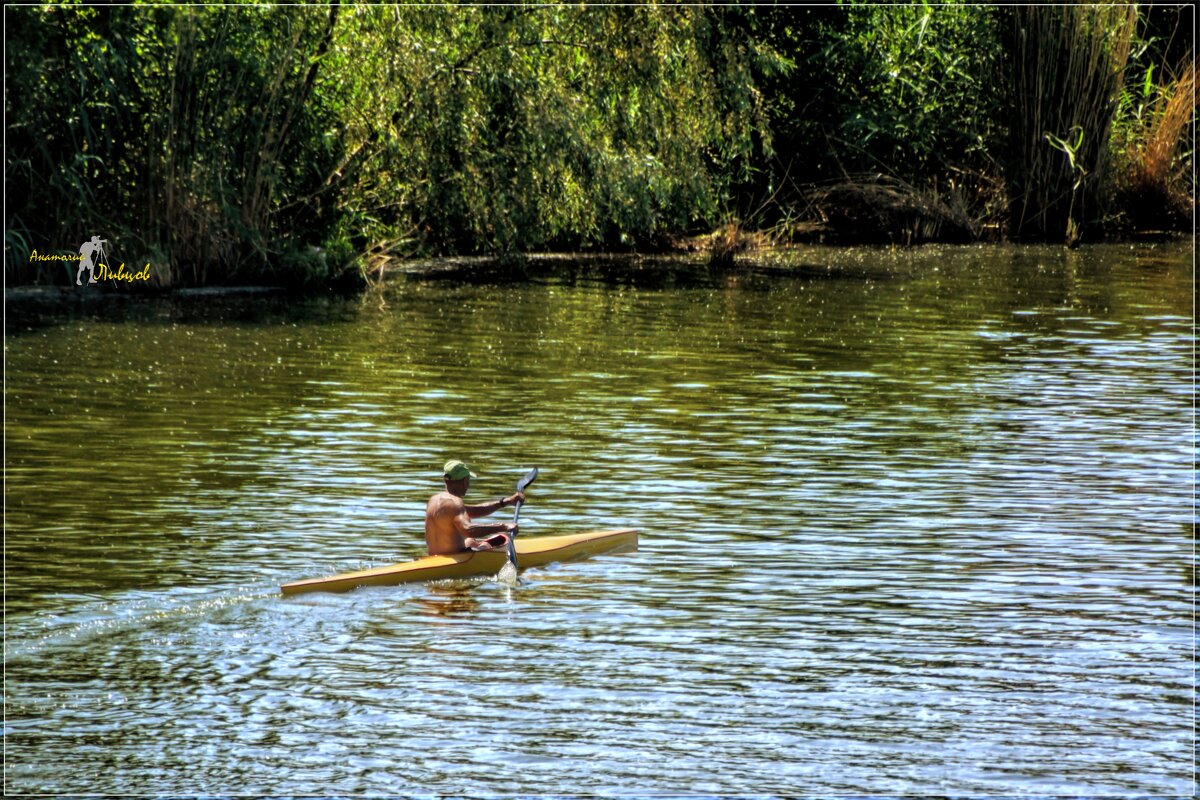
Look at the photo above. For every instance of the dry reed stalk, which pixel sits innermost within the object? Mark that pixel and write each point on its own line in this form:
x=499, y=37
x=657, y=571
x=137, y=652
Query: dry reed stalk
x=730, y=239
x=1154, y=165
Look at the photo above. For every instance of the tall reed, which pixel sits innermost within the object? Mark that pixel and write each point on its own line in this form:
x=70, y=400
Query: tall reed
x=1066, y=69
x=238, y=88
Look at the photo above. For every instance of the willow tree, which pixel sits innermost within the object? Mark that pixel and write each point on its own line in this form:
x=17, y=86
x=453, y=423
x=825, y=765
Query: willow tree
x=477, y=129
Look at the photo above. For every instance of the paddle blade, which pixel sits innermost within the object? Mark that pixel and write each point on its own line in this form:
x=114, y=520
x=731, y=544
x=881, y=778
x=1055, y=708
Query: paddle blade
x=529, y=478
x=508, y=575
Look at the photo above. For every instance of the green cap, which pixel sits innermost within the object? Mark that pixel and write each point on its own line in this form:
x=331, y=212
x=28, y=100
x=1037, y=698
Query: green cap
x=457, y=470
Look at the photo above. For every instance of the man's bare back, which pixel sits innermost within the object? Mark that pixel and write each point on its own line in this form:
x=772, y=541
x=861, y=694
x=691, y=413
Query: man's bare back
x=446, y=524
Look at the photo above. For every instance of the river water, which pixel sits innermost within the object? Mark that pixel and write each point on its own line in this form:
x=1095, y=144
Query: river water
x=912, y=522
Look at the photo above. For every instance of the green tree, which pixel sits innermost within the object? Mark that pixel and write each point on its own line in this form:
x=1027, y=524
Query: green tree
x=505, y=129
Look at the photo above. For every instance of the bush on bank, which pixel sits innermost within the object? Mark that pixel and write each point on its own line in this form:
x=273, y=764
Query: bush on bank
x=308, y=146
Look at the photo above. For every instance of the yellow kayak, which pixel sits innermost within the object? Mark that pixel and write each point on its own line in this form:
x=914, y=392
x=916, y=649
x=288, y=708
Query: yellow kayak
x=535, y=552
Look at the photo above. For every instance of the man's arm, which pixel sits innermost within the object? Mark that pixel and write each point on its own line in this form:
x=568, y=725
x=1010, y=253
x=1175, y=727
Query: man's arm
x=486, y=509
x=471, y=534
x=480, y=532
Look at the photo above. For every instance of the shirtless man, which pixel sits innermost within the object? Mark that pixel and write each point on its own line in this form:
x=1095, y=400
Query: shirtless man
x=448, y=527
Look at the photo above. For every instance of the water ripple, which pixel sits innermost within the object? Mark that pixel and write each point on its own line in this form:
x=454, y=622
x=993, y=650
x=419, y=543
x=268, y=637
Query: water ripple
x=911, y=524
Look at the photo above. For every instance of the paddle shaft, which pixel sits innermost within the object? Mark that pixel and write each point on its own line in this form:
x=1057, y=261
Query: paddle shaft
x=512, y=543
x=522, y=485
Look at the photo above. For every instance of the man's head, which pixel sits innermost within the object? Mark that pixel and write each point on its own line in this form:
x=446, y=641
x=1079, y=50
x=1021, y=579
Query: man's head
x=457, y=476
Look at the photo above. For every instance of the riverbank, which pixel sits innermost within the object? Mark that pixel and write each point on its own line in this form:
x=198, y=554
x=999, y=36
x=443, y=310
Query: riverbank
x=903, y=226
x=816, y=251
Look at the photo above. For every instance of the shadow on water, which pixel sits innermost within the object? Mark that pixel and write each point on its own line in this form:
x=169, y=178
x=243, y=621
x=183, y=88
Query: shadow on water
x=646, y=272
x=659, y=272
x=34, y=308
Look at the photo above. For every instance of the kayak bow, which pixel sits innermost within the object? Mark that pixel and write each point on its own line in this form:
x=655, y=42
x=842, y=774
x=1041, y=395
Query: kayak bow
x=534, y=552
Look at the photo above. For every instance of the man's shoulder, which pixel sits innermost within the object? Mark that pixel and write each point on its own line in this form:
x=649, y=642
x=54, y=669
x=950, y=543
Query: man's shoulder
x=443, y=501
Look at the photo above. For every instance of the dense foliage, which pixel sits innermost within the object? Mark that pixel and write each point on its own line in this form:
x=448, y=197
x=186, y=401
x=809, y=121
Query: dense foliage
x=308, y=144
x=500, y=129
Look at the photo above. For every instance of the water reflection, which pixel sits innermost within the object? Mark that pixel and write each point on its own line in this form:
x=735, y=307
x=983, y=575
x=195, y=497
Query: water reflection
x=912, y=522
x=448, y=599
